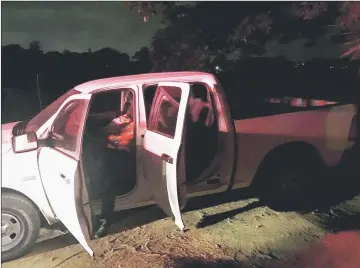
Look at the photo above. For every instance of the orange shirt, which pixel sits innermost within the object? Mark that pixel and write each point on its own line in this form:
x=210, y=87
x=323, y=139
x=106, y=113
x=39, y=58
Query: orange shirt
x=121, y=132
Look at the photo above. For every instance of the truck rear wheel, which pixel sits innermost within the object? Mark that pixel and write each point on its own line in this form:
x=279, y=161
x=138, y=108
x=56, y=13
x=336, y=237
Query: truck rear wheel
x=290, y=182
x=20, y=226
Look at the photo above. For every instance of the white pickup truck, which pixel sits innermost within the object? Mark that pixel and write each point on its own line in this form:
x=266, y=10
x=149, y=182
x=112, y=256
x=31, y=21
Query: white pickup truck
x=48, y=175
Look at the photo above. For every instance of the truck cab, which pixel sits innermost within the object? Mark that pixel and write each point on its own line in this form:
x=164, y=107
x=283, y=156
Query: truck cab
x=49, y=168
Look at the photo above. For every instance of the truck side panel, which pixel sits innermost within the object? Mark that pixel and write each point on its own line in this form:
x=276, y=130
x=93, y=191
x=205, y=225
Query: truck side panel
x=327, y=129
x=26, y=180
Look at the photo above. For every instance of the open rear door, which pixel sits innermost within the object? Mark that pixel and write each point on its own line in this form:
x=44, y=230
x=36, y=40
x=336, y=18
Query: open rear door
x=60, y=170
x=162, y=143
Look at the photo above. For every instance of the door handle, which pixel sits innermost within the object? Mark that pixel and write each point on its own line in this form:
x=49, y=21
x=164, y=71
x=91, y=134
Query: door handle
x=67, y=181
x=167, y=158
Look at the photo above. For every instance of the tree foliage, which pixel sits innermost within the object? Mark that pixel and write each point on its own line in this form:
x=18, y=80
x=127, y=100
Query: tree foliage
x=198, y=35
x=35, y=46
x=58, y=72
x=347, y=22
x=350, y=21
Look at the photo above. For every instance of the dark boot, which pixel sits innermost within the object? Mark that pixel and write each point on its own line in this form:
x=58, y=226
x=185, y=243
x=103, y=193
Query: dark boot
x=103, y=229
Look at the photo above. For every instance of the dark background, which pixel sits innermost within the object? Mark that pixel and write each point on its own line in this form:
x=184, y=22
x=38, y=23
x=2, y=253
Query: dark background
x=256, y=49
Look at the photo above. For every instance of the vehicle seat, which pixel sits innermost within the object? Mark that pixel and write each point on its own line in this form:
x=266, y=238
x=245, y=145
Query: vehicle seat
x=201, y=137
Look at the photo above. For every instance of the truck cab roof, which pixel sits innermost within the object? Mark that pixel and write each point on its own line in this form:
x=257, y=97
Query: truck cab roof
x=148, y=78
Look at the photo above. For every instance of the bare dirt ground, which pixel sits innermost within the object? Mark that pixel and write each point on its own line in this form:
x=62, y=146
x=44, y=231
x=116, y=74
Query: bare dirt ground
x=233, y=230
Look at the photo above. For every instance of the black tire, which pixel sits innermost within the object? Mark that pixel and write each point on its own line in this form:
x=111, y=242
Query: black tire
x=290, y=181
x=27, y=215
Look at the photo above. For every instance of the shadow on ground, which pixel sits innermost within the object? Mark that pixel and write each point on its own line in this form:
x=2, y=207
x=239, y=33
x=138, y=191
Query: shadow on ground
x=54, y=243
x=202, y=263
x=328, y=197
x=338, y=250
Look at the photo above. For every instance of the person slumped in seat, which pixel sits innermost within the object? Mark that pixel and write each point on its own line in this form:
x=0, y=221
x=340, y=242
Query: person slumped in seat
x=120, y=140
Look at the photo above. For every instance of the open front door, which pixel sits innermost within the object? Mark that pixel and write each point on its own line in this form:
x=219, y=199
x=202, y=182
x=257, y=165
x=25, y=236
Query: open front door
x=60, y=170
x=162, y=142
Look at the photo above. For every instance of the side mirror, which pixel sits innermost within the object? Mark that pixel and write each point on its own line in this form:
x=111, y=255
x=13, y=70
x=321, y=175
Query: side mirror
x=25, y=142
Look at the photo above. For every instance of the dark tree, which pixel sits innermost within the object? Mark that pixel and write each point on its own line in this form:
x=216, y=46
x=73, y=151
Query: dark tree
x=142, y=60
x=347, y=21
x=204, y=34
x=35, y=46
x=56, y=72
x=199, y=35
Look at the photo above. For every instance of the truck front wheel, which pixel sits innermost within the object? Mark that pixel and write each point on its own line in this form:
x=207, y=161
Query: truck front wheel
x=20, y=226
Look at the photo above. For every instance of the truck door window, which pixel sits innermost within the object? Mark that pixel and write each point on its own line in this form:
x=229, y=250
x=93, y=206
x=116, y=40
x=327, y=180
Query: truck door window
x=41, y=118
x=166, y=112
x=149, y=94
x=66, y=126
x=103, y=102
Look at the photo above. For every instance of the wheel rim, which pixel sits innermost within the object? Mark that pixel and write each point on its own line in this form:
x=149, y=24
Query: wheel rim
x=12, y=231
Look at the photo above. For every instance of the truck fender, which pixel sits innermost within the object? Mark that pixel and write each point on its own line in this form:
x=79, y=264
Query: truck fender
x=296, y=149
x=44, y=217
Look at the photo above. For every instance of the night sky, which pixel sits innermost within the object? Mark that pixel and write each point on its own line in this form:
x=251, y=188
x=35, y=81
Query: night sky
x=78, y=26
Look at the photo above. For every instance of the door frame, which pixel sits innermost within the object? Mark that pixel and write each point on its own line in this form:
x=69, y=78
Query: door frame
x=227, y=135
x=163, y=150
x=137, y=136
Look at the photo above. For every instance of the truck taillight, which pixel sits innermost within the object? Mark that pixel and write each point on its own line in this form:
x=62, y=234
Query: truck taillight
x=353, y=130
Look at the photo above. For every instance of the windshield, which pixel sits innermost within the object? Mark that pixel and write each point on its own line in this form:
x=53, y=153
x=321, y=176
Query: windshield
x=41, y=118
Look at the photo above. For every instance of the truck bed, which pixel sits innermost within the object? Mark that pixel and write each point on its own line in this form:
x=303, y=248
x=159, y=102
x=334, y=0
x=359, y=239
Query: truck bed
x=252, y=109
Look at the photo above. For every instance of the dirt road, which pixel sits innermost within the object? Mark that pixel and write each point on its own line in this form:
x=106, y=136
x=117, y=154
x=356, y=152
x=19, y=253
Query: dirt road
x=231, y=231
